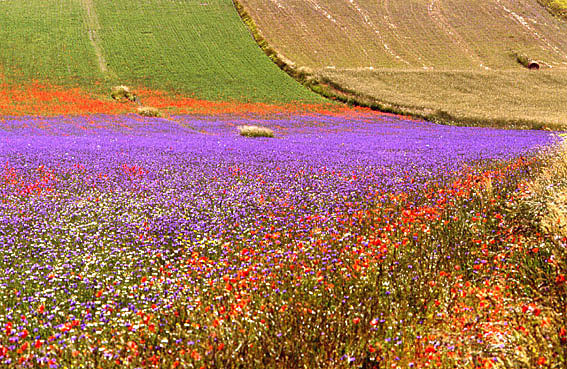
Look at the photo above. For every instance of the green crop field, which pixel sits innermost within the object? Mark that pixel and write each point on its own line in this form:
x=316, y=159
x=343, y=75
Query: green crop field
x=198, y=47
x=451, y=60
x=46, y=40
x=189, y=47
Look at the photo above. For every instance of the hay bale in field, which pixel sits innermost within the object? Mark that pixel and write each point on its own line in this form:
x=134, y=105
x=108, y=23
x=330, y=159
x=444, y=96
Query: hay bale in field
x=533, y=65
x=148, y=111
x=123, y=93
x=255, y=131
x=527, y=62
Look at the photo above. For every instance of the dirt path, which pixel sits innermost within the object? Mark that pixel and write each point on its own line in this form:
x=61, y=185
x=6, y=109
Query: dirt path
x=93, y=27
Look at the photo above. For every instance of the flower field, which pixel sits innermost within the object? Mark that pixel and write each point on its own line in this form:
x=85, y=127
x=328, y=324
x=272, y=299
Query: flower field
x=348, y=240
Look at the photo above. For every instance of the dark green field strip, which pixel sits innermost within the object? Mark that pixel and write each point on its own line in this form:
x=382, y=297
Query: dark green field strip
x=194, y=47
x=46, y=40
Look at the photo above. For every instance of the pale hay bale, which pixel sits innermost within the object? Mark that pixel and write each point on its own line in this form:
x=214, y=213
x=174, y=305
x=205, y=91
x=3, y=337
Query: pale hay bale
x=148, y=111
x=255, y=131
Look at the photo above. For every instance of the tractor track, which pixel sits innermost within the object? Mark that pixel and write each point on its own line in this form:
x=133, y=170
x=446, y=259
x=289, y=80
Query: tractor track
x=435, y=13
x=93, y=27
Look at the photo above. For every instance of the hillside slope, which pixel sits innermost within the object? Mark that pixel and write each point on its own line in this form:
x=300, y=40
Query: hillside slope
x=198, y=48
x=453, y=59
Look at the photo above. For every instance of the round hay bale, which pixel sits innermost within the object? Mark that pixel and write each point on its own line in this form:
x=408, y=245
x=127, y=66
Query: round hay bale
x=527, y=62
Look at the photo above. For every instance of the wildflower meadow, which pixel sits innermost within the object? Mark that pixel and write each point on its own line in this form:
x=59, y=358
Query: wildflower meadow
x=223, y=184
x=357, y=240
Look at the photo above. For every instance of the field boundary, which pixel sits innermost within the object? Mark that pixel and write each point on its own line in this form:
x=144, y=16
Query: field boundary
x=299, y=74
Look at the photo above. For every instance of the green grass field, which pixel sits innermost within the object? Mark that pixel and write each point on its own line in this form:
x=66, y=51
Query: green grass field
x=189, y=47
x=192, y=47
x=46, y=40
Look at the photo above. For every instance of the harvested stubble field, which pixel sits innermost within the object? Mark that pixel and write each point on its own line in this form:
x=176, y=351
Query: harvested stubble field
x=450, y=60
x=512, y=98
x=196, y=48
